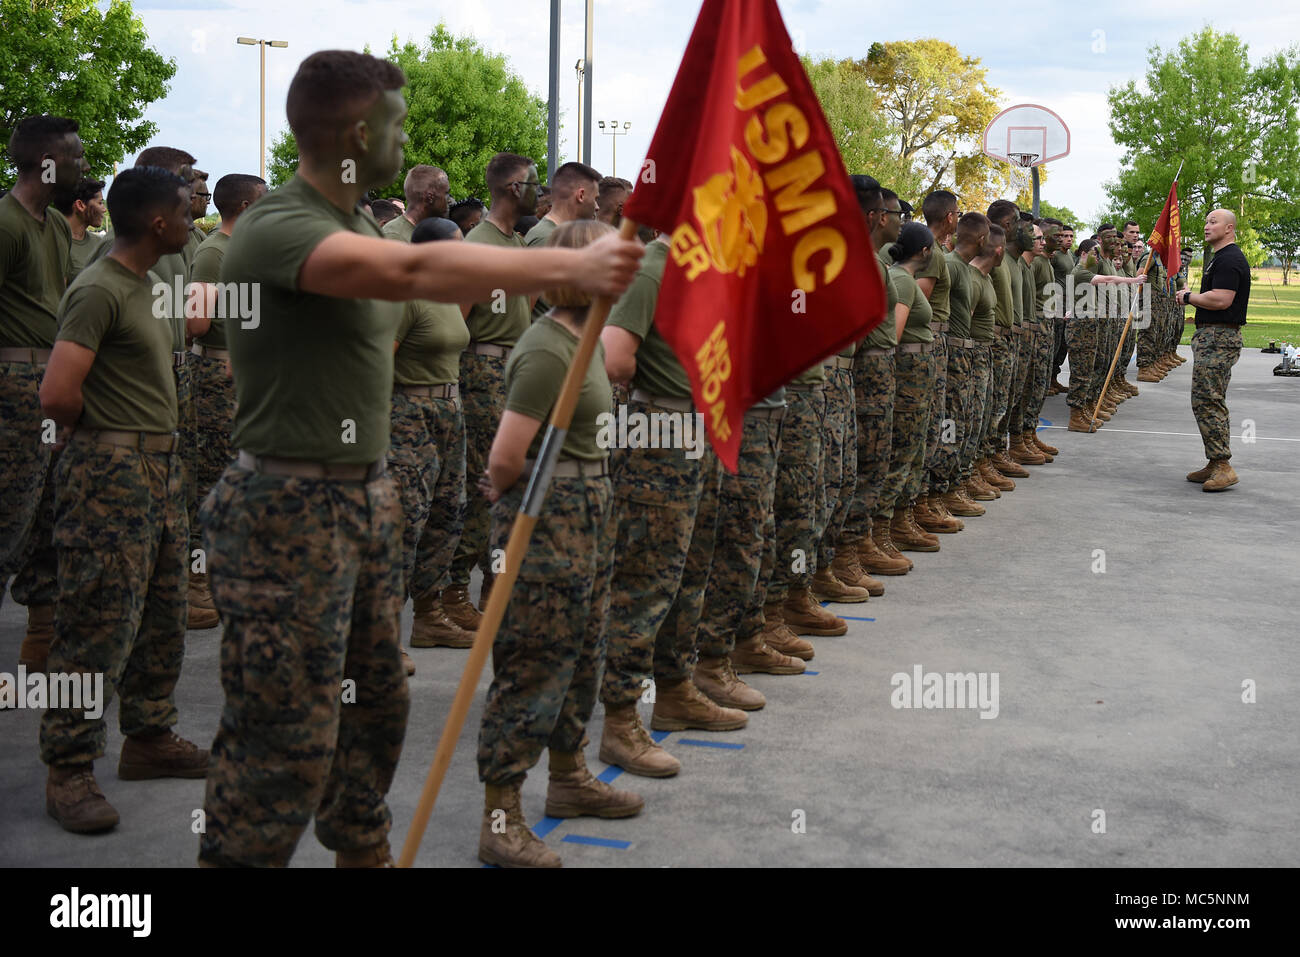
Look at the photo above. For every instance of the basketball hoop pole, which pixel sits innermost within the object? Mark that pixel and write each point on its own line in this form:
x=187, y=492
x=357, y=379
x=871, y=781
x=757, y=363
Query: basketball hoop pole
x=1034, y=171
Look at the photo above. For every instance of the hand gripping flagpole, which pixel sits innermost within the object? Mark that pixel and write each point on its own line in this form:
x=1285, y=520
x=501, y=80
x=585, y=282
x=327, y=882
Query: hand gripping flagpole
x=520, y=534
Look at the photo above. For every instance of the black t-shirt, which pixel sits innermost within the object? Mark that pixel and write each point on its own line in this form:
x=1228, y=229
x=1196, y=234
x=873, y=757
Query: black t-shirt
x=1227, y=270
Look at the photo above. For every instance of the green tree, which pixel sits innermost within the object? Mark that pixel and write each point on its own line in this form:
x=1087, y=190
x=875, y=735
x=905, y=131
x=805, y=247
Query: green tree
x=939, y=102
x=465, y=105
x=862, y=131
x=1282, y=238
x=71, y=58
x=1063, y=213
x=1233, y=127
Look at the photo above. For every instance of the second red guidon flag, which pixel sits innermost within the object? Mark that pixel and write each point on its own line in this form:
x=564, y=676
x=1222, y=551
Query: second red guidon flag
x=770, y=268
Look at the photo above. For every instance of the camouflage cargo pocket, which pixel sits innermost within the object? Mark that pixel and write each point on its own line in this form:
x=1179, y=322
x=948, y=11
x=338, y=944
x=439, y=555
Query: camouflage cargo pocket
x=262, y=649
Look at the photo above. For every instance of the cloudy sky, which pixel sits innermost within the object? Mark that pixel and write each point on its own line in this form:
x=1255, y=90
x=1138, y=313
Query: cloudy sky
x=1064, y=56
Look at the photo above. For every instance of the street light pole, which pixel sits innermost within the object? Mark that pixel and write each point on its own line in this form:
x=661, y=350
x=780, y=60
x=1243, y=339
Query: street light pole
x=261, y=141
x=615, y=132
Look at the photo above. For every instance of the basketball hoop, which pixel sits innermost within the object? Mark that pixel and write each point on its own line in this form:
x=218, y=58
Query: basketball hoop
x=1023, y=159
x=1027, y=136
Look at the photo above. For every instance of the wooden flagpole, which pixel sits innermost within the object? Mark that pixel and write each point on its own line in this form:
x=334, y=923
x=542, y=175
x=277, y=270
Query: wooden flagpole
x=520, y=534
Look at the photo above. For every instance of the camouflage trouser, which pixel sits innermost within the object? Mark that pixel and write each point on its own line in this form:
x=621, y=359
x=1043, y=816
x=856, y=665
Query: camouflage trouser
x=931, y=480
x=214, y=406
x=548, y=655
x=873, y=396
x=657, y=495
x=1177, y=327
x=1166, y=317
x=745, y=546
x=1084, y=342
x=307, y=576
x=26, y=487
x=122, y=542
x=483, y=398
x=187, y=424
x=1002, y=368
x=679, y=636
x=913, y=391
x=1037, y=354
x=1107, y=340
x=1215, y=350
x=1130, y=345
x=980, y=405
x=1023, y=342
x=426, y=455
x=1060, y=341
x=954, y=422
x=840, y=461
x=797, y=501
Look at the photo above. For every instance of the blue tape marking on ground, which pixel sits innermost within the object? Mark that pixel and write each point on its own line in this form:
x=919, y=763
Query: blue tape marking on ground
x=658, y=736
x=812, y=672
x=695, y=742
x=596, y=841
x=1046, y=423
x=852, y=618
x=609, y=774
x=546, y=825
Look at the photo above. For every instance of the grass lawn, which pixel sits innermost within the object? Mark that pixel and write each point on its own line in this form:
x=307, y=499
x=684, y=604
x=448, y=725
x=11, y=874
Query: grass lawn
x=1274, y=311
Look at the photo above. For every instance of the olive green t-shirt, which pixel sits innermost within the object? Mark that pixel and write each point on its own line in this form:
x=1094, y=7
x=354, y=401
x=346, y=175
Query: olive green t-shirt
x=432, y=337
x=918, y=313
x=884, y=336
x=814, y=375
x=985, y=298
x=937, y=269
x=399, y=228
x=83, y=252
x=485, y=324
x=959, y=296
x=1063, y=264
x=314, y=376
x=534, y=375
x=657, y=369
x=774, y=401
x=1084, y=275
x=109, y=309
x=207, y=268
x=537, y=236
x=1004, y=312
x=1028, y=300
x=34, y=264
x=1044, y=276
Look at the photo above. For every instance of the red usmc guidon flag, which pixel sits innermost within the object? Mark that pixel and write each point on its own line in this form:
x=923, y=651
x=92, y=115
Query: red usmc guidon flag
x=1166, y=238
x=770, y=269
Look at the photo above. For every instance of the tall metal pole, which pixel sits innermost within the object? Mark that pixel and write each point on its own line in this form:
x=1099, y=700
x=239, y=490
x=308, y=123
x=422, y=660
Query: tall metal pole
x=586, y=81
x=1035, y=172
x=552, y=96
x=261, y=141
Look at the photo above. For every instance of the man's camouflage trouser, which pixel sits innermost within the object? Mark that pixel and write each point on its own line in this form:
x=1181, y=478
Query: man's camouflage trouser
x=122, y=540
x=797, y=501
x=913, y=391
x=1022, y=338
x=1165, y=330
x=954, y=422
x=1084, y=346
x=548, y=655
x=187, y=424
x=426, y=455
x=214, y=407
x=483, y=399
x=1038, y=345
x=657, y=495
x=1002, y=370
x=932, y=481
x=307, y=577
x=1215, y=350
x=873, y=394
x=980, y=405
x=745, y=545
x=27, y=487
x=840, y=461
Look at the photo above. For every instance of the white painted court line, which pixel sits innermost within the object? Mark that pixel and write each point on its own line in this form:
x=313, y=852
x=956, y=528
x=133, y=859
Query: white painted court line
x=1196, y=435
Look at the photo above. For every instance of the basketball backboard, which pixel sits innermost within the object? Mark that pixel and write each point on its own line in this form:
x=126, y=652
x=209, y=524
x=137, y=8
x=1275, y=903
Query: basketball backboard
x=1027, y=135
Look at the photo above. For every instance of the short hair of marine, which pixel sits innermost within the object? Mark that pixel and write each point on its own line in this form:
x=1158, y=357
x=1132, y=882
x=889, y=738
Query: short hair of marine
x=938, y=205
x=167, y=157
x=570, y=177
x=867, y=189
x=574, y=235
x=36, y=136
x=504, y=169
x=235, y=189
x=332, y=90
x=970, y=226
x=138, y=195
x=84, y=192
x=433, y=229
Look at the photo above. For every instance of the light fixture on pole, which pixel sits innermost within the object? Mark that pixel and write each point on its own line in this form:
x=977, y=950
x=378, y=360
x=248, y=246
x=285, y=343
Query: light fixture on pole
x=615, y=132
x=262, y=44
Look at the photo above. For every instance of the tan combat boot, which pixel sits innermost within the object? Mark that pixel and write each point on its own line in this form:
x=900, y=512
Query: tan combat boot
x=849, y=570
x=979, y=490
x=875, y=560
x=1005, y=465
x=680, y=706
x=432, y=628
x=380, y=855
x=931, y=516
x=1201, y=475
x=1132, y=390
x=1103, y=414
x=457, y=606
x=1081, y=421
x=827, y=586
x=505, y=839
x=907, y=536
x=73, y=798
x=626, y=743
x=1222, y=477
x=804, y=616
x=778, y=636
x=35, y=650
x=574, y=792
x=995, y=478
x=884, y=539
x=1149, y=374
x=1023, y=454
x=716, y=678
x=408, y=663
x=957, y=502
x=1050, y=451
x=753, y=655
x=202, y=610
x=165, y=755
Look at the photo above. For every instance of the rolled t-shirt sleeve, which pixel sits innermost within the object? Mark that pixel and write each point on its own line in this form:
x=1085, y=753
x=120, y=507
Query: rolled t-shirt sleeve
x=86, y=316
x=635, y=309
x=535, y=384
x=207, y=265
